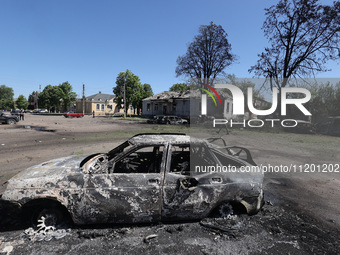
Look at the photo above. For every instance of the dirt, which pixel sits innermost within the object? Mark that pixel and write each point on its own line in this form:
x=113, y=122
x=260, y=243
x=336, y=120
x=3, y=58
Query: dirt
x=301, y=214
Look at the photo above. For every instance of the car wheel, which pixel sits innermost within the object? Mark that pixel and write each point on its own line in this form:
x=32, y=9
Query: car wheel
x=47, y=217
x=225, y=209
x=11, y=122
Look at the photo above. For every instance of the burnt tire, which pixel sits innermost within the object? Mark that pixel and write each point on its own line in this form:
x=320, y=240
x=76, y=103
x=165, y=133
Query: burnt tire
x=50, y=216
x=225, y=209
x=11, y=122
x=228, y=208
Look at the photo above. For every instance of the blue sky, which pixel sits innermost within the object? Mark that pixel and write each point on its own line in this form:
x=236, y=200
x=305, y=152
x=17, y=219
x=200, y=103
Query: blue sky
x=89, y=42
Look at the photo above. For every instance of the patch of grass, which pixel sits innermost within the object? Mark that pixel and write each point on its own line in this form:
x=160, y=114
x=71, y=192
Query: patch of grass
x=320, y=144
x=133, y=119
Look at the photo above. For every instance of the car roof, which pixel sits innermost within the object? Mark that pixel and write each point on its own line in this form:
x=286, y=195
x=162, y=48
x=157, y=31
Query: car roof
x=161, y=138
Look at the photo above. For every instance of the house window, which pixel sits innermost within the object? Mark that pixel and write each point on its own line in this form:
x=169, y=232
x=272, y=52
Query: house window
x=98, y=107
x=103, y=107
x=227, y=107
x=174, y=107
x=156, y=107
x=148, y=107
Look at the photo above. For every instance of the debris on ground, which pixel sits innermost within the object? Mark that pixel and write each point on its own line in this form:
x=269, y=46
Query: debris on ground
x=147, y=238
x=44, y=232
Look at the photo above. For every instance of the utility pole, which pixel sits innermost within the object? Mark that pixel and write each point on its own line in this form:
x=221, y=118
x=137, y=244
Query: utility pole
x=83, y=99
x=38, y=96
x=124, y=97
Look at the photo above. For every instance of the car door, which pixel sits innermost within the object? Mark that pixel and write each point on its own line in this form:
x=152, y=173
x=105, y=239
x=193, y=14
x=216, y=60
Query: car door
x=131, y=192
x=186, y=195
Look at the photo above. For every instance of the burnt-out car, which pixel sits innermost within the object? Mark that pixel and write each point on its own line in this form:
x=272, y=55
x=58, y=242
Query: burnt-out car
x=329, y=126
x=174, y=120
x=8, y=118
x=157, y=119
x=148, y=178
x=299, y=126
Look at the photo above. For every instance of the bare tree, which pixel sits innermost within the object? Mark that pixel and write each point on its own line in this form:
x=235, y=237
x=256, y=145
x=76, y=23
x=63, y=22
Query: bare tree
x=304, y=36
x=208, y=55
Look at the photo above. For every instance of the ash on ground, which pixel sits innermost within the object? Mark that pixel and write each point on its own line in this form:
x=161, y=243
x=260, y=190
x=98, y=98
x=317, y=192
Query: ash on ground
x=274, y=230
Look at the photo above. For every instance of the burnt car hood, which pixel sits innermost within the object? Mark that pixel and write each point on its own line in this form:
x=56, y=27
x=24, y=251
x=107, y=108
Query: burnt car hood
x=53, y=170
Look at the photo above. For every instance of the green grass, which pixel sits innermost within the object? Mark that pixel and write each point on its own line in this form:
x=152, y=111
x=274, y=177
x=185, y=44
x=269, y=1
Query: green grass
x=133, y=119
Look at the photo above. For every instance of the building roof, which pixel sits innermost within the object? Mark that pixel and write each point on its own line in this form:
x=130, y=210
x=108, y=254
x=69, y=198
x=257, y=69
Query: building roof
x=165, y=95
x=169, y=94
x=100, y=97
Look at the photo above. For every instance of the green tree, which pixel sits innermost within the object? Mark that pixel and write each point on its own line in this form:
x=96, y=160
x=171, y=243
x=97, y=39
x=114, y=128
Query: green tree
x=208, y=55
x=67, y=96
x=137, y=98
x=244, y=84
x=303, y=36
x=31, y=97
x=147, y=90
x=21, y=102
x=325, y=101
x=51, y=97
x=143, y=92
x=133, y=89
x=179, y=87
x=6, y=97
x=7, y=104
x=6, y=92
x=32, y=100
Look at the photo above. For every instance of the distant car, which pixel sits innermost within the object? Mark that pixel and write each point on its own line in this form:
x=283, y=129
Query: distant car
x=302, y=127
x=40, y=111
x=15, y=112
x=174, y=120
x=329, y=126
x=171, y=120
x=157, y=119
x=148, y=178
x=73, y=115
x=8, y=119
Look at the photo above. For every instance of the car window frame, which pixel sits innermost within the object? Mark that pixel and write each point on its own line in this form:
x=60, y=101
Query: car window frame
x=169, y=157
x=137, y=147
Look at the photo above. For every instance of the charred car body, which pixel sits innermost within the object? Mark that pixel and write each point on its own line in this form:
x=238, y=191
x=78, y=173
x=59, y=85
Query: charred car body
x=170, y=120
x=150, y=177
x=8, y=119
x=329, y=126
